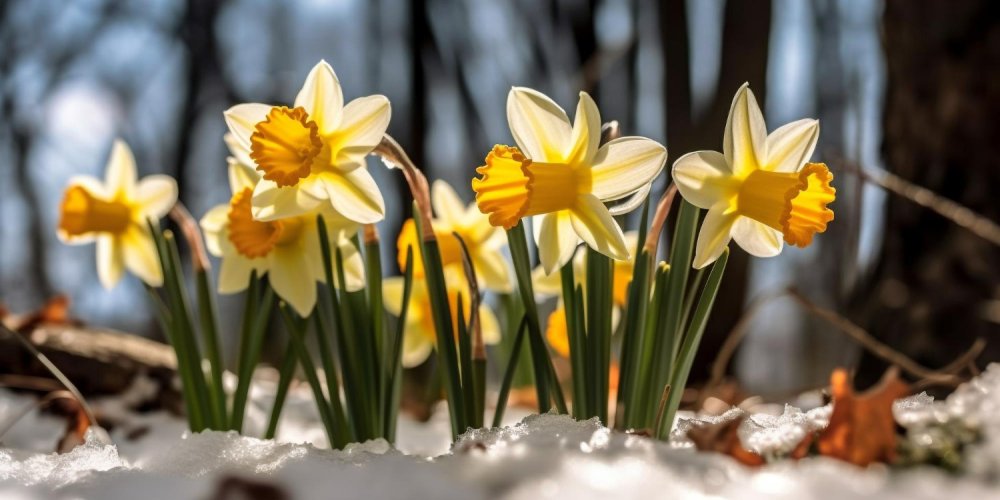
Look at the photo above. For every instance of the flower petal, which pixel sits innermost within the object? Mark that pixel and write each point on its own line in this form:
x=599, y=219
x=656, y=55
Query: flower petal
x=156, y=194
x=586, y=135
x=119, y=175
x=703, y=178
x=595, y=226
x=417, y=346
x=492, y=270
x=110, y=261
x=242, y=119
x=489, y=324
x=448, y=207
x=625, y=165
x=362, y=127
x=714, y=236
x=745, y=139
x=271, y=202
x=539, y=126
x=556, y=239
x=140, y=255
x=759, y=240
x=234, y=274
x=292, y=279
x=790, y=147
x=241, y=175
x=239, y=152
x=354, y=267
x=212, y=225
x=392, y=294
x=322, y=97
x=354, y=195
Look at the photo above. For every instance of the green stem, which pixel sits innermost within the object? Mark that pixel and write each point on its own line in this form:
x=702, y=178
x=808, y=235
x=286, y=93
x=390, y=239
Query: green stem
x=256, y=316
x=599, y=286
x=539, y=353
x=576, y=336
x=285, y=375
x=207, y=314
x=395, y=375
x=508, y=376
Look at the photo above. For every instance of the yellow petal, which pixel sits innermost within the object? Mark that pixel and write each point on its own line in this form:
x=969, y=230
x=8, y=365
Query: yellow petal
x=156, y=195
x=322, y=97
x=790, y=147
x=539, y=126
x=597, y=228
x=271, y=202
x=704, y=178
x=234, y=273
x=354, y=267
x=490, y=325
x=448, y=207
x=110, y=261
x=361, y=128
x=756, y=238
x=745, y=139
x=586, y=134
x=492, y=270
x=392, y=294
x=354, y=194
x=625, y=165
x=119, y=176
x=140, y=257
x=416, y=346
x=556, y=239
x=713, y=237
x=546, y=284
x=242, y=120
x=292, y=279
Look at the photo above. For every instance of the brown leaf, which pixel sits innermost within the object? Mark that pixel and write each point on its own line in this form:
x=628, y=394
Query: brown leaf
x=724, y=438
x=862, y=429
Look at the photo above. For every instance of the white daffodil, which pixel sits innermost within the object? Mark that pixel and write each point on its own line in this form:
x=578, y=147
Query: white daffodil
x=760, y=190
x=483, y=240
x=287, y=250
x=562, y=175
x=420, y=336
x=116, y=215
x=313, y=154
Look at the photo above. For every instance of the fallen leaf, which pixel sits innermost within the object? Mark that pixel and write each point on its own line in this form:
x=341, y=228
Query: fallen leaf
x=724, y=438
x=862, y=429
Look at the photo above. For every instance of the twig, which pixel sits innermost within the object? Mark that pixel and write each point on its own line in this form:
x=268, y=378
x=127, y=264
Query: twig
x=736, y=336
x=394, y=156
x=42, y=403
x=659, y=218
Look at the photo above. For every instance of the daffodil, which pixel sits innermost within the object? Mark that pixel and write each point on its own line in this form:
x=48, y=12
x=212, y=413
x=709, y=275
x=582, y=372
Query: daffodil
x=419, y=337
x=560, y=174
x=483, y=240
x=551, y=285
x=313, y=154
x=761, y=189
x=287, y=250
x=116, y=214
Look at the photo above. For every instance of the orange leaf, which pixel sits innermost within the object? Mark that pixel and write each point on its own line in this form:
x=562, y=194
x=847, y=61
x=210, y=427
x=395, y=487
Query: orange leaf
x=862, y=429
x=724, y=438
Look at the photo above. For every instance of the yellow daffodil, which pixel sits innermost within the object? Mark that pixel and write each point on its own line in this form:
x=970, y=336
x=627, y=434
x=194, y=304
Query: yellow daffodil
x=483, y=240
x=288, y=249
x=116, y=215
x=551, y=285
x=313, y=154
x=760, y=190
x=563, y=176
x=420, y=336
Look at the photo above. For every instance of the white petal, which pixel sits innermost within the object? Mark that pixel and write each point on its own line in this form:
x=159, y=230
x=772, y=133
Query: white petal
x=362, y=128
x=110, y=261
x=539, y=126
x=354, y=267
x=417, y=346
x=745, y=140
x=489, y=325
x=292, y=279
x=322, y=97
x=119, y=175
x=272, y=202
x=625, y=165
x=239, y=152
x=447, y=205
x=392, y=294
x=140, y=256
x=703, y=178
x=156, y=194
x=713, y=237
x=586, y=135
x=493, y=271
x=759, y=240
x=790, y=147
x=556, y=239
x=234, y=274
x=243, y=118
x=354, y=195
x=241, y=175
x=597, y=228
x=212, y=225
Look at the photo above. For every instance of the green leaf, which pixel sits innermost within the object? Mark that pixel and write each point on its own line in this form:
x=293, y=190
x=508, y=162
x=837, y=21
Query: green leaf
x=508, y=376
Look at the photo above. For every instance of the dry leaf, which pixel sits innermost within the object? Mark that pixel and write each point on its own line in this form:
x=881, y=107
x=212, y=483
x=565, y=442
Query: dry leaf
x=862, y=429
x=724, y=438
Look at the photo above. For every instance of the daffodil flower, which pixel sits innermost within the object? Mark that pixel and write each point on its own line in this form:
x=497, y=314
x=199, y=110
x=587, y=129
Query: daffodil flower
x=287, y=250
x=116, y=214
x=551, y=285
x=563, y=176
x=483, y=240
x=313, y=154
x=420, y=336
x=760, y=190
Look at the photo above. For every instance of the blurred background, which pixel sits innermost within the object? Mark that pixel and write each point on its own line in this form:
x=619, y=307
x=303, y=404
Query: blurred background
x=906, y=92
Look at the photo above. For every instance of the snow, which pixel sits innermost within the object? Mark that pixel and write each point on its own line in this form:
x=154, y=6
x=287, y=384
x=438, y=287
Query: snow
x=537, y=456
